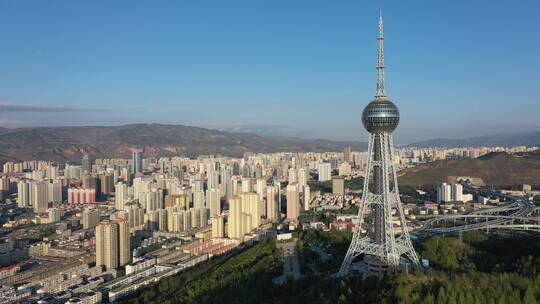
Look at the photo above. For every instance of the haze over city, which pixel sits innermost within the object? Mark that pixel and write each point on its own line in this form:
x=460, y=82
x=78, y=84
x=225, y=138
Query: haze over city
x=280, y=68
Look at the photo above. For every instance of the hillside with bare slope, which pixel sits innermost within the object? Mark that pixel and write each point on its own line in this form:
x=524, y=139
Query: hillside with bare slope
x=68, y=143
x=493, y=169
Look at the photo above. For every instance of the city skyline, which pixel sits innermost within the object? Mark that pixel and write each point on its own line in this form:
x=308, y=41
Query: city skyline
x=293, y=70
x=113, y=191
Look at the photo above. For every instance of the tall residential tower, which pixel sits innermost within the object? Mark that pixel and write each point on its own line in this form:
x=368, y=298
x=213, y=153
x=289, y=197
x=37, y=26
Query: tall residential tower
x=112, y=243
x=137, y=161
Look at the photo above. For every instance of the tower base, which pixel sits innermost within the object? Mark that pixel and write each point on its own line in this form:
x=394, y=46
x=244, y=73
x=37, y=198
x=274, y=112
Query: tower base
x=373, y=266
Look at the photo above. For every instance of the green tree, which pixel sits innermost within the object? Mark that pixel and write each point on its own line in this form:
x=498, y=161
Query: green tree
x=429, y=299
x=442, y=297
x=528, y=297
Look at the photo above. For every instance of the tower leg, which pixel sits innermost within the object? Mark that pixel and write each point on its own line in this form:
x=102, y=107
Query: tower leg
x=355, y=248
x=381, y=249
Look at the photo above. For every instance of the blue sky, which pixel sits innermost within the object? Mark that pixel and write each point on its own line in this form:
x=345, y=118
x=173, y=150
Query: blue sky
x=292, y=68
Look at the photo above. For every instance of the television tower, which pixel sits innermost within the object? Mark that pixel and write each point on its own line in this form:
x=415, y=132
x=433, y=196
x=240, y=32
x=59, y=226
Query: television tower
x=384, y=245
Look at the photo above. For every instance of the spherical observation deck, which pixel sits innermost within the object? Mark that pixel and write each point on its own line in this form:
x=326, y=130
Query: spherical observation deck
x=380, y=116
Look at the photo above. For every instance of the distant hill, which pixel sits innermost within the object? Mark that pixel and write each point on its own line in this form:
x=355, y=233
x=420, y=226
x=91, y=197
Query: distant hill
x=493, y=169
x=68, y=143
x=500, y=140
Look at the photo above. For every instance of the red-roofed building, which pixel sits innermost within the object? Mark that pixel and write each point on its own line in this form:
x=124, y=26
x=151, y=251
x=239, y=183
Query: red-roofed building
x=9, y=271
x=342, y=225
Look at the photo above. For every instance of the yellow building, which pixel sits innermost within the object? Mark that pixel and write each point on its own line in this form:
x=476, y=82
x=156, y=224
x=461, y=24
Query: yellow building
x=113, y=243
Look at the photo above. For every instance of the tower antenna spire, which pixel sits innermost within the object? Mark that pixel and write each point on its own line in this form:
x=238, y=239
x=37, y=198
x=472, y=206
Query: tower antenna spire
x=380, y=60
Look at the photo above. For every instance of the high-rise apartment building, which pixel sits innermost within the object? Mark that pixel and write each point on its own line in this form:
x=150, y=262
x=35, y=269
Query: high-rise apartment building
x=347, y=154
x=235, y=216
x=457, y=192
x=137, y=161
x=272, y=193
x=444, y=193
x=163, y=219
x=247, y=184
x=325, y=172
x=39, y=196
x=86, y=164
x=112, y=243
x=293, y=201
x=154, y=200
x=306, y=197
x=213, y=179
x=213, y=201
x=4, y=187
x=450, y=192
x=226, y=183
x=251, y=207
x=81, y=196
x=124, y=242
x=107, y=245
x=54, y=192
x=107, y=183
x=120, y=196
x=303, y=177
x=91, y=182
x=260, y=189
x=90, y=218
x=218, y=230
x=338, y=185
x=23, y=194
x=293, y=178
x=135, y=216
x=181, y=200
x=52, y=172
x=199, y=199
x=239, y=221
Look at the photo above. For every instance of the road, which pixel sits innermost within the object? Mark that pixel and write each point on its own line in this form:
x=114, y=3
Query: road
x=324, y=256
x=517, y=210
x=291, y=265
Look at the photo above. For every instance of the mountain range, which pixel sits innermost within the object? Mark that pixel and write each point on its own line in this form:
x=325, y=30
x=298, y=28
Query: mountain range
x=69, y=143
x=497, y=140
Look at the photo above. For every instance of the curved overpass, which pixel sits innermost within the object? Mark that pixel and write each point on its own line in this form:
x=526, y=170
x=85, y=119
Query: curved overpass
x=515, y=215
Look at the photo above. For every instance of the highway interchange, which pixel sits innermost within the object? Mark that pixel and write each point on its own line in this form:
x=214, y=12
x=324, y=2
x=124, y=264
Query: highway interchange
x=516, y=214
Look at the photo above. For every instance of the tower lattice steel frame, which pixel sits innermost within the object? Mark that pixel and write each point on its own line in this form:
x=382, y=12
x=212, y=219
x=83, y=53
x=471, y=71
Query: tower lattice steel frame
x=381, y=246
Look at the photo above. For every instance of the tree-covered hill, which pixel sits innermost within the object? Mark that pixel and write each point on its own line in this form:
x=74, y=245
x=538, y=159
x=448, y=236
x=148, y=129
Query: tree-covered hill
x=473, y=268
